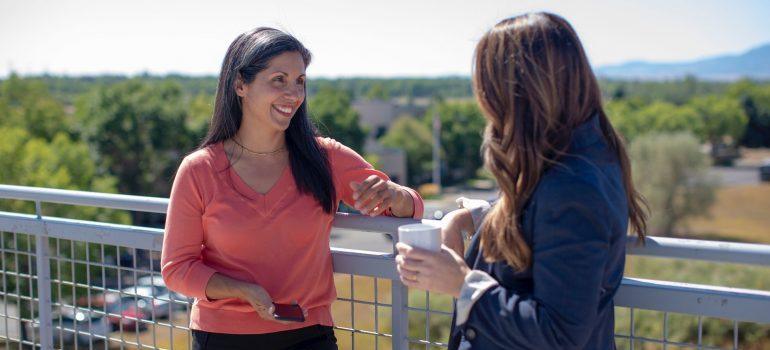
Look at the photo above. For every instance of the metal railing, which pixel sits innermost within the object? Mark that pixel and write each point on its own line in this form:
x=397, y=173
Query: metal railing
x=72, y=283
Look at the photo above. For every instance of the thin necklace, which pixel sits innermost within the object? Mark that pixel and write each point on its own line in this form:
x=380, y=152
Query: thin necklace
x=281, y=149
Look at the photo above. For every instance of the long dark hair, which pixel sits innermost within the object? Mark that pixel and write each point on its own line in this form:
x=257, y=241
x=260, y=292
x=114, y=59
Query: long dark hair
x=249, y=54
x=533, y=81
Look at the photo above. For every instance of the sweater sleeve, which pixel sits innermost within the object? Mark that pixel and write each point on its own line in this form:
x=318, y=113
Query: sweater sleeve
x=348, y=166
x=181, y=265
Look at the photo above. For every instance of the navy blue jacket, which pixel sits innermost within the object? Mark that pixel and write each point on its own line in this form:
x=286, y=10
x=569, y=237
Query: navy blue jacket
x=576, y=224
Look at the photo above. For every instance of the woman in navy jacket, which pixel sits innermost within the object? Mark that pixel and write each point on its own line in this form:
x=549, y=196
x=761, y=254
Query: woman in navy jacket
x=543, y=267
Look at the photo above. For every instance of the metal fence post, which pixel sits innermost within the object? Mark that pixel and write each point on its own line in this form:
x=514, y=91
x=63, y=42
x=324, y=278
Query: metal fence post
x=43, y=284
x=400, y=319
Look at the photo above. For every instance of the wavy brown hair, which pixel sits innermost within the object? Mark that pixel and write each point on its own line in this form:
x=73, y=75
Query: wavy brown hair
x=534, y=84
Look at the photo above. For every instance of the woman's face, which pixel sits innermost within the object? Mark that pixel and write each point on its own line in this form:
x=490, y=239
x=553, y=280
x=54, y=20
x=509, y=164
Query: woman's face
x=276, y=92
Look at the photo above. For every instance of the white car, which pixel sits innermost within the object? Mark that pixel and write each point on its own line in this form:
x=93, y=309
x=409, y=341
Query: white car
x=179, y=300
x=158, y=298
x=79, y=327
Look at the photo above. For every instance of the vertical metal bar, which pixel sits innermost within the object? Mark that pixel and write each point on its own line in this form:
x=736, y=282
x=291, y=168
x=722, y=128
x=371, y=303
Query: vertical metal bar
x=352, y=314
x=120, y=298
x=735, y=335
x=189, y=333
x=171, y=327
x=170, y=303
x=104, y=294
x=631, y=330
x=18, y=283
x=700, y=332
x=74, y=287
x=30, y=284
x=400, y=315
x=376, y=321
x=88, y=296
x=665, y=330
x=43, y=283
x=5, y=290
x=427, y=319
x=136, y=299
x=58, y=285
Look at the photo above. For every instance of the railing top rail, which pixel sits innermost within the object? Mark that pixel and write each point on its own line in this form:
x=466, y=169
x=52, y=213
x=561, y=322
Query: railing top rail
x=692, y=249
x=92, y=199
x=713, y=301
x=744, y=253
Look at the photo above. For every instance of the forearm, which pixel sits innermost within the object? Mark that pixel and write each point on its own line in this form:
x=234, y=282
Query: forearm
x=478, y=210
x=464, y=222
x=456, y=226
x=223, y=287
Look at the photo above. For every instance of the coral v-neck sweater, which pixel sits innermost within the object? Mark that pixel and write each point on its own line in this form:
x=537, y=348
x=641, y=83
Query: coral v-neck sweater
x=279, y=240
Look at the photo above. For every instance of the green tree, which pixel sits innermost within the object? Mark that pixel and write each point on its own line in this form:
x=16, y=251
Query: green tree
x=201, y=108
x=27, y=104
x=723, y=119
x=378, y=92
x=667, y=117
x=632, y=118
x=755, y=100
x=414, y=137
x=61, y=163
x=624, y=119
x=671, y=173
x=462, y=126
x=139, y=132
x=677, y=92
x=331, y=110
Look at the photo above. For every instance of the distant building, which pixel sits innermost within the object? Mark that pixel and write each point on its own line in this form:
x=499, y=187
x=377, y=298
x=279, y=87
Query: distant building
x=378, y=116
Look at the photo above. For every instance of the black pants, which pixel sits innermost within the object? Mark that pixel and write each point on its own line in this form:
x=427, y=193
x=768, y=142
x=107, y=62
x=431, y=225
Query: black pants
x=309, y=338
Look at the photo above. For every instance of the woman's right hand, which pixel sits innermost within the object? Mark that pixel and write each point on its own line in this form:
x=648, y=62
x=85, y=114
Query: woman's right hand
x=222, y=287
x=259, y=299
x=454, y=227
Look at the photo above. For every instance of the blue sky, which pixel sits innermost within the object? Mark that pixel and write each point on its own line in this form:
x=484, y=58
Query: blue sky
x=352, y=38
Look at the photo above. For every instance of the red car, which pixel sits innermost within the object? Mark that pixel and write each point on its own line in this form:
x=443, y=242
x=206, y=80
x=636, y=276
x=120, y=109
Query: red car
x=128, y=312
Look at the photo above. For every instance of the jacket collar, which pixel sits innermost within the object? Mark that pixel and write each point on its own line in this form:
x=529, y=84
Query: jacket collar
x=587, y=133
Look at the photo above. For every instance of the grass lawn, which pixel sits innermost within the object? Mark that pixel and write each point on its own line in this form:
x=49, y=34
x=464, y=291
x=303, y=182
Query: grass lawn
x=740, y=213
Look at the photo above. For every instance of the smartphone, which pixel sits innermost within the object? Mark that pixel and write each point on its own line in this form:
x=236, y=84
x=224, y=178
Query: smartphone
x=288, y=312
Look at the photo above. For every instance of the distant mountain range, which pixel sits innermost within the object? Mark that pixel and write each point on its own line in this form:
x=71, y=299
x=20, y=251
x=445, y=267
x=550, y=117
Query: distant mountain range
x=754, y=64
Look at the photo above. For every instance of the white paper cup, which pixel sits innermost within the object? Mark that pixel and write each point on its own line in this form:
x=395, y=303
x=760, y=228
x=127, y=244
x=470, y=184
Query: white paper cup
x=423, y=236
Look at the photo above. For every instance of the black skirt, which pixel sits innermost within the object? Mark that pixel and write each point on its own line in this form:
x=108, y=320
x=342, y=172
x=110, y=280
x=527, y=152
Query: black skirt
x=309, y=338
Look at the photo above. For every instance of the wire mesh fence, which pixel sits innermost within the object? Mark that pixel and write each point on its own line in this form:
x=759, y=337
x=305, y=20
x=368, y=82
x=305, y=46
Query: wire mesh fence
x=102, y=289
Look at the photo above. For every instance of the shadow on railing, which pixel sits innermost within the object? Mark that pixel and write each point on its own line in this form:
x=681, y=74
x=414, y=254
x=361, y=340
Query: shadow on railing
x=101, y=286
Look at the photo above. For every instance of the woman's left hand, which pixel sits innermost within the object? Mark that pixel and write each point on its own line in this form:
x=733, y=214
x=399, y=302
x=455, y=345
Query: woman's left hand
x=442, y=272
x=374, y=195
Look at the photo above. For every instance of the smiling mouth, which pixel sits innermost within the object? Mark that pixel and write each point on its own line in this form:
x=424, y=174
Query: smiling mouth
x=285, y=111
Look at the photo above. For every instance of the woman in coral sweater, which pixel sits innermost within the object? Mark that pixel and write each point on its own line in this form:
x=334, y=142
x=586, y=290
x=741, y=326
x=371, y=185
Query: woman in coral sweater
x=251, y=210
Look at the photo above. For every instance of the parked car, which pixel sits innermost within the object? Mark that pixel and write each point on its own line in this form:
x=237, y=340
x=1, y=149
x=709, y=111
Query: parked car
x=128, y=312
x=724, y=155
x=178, y=300
x=74, y=326
x=158, y=301
x=764, y=171
x=149, y=297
